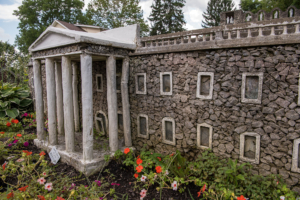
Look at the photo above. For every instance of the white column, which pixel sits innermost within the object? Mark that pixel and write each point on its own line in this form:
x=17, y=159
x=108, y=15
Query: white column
x=260, y=32
x=297, y=28
x=68, y=103
x=272, y=30
x=112, y=103
x=285, y=30
x=249, y=33
x=238, y=34
x=75, y=96
x=39, y=102
x=87, y=106
x=51, y=98
x=59, y=99
x=125, y=102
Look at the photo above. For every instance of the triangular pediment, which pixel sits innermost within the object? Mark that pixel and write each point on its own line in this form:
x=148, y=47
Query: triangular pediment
x=52, y=39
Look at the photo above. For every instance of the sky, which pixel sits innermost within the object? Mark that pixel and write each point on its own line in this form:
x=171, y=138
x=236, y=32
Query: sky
x=9, y=23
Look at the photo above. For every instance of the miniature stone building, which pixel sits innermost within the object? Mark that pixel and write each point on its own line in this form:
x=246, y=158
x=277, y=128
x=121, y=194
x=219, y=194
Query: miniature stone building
x=232, y=88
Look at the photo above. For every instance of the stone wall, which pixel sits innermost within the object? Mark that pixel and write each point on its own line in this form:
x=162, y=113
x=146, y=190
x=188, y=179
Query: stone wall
x=275, y=120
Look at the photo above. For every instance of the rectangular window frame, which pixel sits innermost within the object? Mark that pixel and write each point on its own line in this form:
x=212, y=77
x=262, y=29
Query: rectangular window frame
x=137, y=86
x=199, y=135
x=101, y=76
x=257, y=149
x=295, y=167
x=260, y=82
x=211, y=84
x=161, y=83
x=139, y=129
x=169, y=119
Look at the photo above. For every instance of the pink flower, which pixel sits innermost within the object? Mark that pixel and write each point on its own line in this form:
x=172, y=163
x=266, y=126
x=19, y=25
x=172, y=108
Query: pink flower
x=41, y=180
x=15, y=141
x=174, y=185
x=167, y=172
x=25, y=114
x=20, y=160
x=26, y=144
x=115, y=184
x=73, y=185
x=10, y=145
x=143, y=193
x=98, y=183
x=48, y=186
x=44, y=174
x=143, y=178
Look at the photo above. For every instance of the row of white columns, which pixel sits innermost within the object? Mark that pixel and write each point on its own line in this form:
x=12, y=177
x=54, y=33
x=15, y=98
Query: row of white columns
x=62, y=99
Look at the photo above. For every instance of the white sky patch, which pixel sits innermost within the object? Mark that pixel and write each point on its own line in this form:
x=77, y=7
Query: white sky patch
x=6, y=11
x=5, y=36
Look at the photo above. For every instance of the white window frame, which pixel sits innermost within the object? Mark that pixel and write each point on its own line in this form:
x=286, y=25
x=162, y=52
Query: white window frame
x=242, y=147
x=199, y=135
x=260, y=76
x=97, y=118
x=299, y=90
x=101, y=89
x=169, y=119
x=161, y=83
x=211, y=85
x=139, y=128
x=295, y=167
x=137, y=84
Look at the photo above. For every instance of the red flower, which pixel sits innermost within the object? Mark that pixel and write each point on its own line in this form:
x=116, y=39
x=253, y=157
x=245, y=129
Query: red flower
x=202, y=190
x=172, y=155
x=27, y=152
x=19, y=135
x=2, y=132
x=8, y=124
x=42, y=153
x=15, y=121
x=10, y=195
x=139, y=161
x=178, y=167
x=138, y=156
x=41, y=197
x=136, y=175
x=3, y=166
x=59, y=198
x=158, y=169
x=159, y=158
x=241, y=198
x=139, y=168
x=126, y=151
x=23, y=189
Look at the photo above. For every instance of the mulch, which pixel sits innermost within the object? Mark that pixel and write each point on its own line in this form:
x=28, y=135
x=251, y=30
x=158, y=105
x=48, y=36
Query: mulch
x=123, y=175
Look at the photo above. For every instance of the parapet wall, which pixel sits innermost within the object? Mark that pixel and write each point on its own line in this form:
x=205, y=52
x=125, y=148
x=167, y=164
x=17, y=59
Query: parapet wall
x=240, y=102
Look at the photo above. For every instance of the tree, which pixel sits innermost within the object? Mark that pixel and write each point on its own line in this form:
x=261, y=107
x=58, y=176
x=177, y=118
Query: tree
x=35, y=16
x=157, y=18
x=174, y=18
x=267, y=5
x=213, y=10
x=116, y=13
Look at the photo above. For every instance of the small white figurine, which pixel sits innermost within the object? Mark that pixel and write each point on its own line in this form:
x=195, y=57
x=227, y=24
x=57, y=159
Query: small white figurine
x=231, y=20
x=276, y=14
x=291, y=12
x=248, y=18
x=228, y=20
x=261, y=16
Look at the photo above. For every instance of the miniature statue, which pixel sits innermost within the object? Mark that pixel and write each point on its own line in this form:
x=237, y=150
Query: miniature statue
x=248, y=19
x=261, y=16
x=276, y=14
x=291, y=12
x=228, y=20
x=231, y=20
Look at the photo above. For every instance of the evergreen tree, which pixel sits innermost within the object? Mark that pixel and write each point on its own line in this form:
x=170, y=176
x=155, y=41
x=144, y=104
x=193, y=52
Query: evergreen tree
x=174, y=18
x=35, y=16
x=116, y=13
x=213, y=10
x=156, y=18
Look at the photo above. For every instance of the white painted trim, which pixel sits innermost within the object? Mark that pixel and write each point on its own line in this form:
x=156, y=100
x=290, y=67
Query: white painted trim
x=56, y=21
x=164, y=131
x=295, y=167
x=106, y=121
x=242, y=147
x=199, y=135
x=139, y=129
x=136, y=83
x=260, y=82
x=101, y=89
x=161, y=83
x=211, y=85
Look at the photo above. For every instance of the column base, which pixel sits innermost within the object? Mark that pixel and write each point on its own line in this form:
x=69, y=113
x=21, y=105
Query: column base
x=75, y=158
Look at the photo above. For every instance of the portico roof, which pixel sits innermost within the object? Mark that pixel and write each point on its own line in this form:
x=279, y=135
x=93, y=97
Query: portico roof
x=52, y=37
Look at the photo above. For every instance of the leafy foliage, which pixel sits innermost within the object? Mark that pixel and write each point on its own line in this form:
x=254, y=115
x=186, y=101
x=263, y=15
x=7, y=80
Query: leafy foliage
x=180, y=166
x=116, y=13
x=173, y=18
x=14, y=100
x=156, y=18
x=213, y=10
x=36, y=16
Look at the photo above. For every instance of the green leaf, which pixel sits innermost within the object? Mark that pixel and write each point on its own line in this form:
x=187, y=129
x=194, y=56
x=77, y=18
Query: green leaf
x=229, y=171
x=23, y=94
x=3, y=104
x=15, y=100
x=241, y=177
x=2, y=114
x=13, y=113
x=7, y=93
x=25, y=102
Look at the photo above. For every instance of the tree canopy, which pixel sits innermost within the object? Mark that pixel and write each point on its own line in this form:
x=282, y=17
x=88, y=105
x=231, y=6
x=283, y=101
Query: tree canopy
x=156, y=18
x=255, y=5
x=35, y=16
x=214, y=8
x=116, y=13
